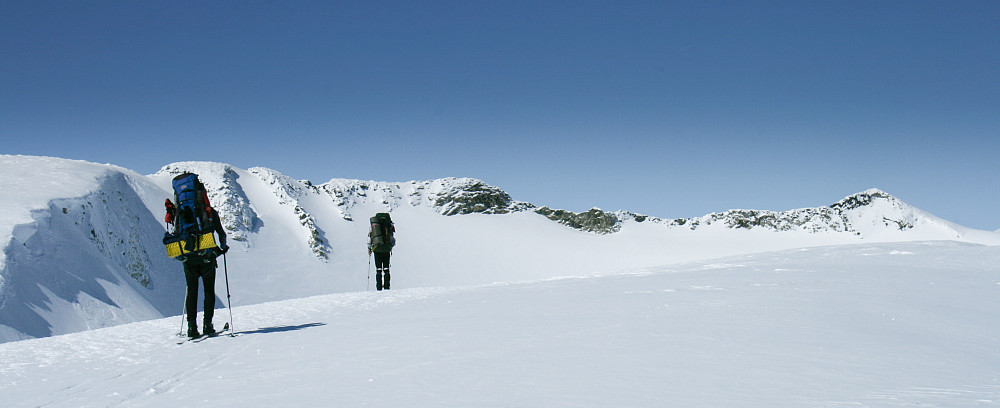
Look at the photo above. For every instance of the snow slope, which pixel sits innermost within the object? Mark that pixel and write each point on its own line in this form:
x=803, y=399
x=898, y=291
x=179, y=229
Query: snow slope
x=870, y=325
x=82, y=250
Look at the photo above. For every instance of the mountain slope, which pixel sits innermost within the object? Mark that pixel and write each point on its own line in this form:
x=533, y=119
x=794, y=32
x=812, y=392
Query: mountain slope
x=82, y=241
x=89, y=255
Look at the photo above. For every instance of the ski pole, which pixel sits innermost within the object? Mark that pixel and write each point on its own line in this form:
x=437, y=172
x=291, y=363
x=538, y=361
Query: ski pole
x=183, y=312
x=367, y=285
x=229, y=299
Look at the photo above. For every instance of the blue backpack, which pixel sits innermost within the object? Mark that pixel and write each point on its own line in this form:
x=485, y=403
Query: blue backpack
x=191, y=218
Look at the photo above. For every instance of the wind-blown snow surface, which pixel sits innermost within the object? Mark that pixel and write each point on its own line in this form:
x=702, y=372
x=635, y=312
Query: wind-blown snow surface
x=872, y=325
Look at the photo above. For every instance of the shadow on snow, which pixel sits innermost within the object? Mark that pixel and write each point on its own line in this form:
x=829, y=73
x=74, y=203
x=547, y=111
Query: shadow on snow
x=279, y=329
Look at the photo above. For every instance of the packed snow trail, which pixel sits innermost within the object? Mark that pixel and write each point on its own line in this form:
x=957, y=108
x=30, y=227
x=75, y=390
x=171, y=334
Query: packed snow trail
x=882, y=325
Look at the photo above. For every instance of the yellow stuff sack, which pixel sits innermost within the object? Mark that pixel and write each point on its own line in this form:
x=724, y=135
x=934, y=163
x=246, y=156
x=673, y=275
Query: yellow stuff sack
x=176, y=247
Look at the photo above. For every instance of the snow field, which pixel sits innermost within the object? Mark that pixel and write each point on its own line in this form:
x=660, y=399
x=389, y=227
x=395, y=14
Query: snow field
x=874, y=325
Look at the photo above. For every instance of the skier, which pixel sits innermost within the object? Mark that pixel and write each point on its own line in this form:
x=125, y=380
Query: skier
x=203, y=266
x=380, y=242
x=194, y=220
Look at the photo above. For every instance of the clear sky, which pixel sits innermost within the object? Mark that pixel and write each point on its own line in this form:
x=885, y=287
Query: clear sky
x=671, y=109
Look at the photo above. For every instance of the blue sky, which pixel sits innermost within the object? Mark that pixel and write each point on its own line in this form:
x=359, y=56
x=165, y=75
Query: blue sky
x=672, y=109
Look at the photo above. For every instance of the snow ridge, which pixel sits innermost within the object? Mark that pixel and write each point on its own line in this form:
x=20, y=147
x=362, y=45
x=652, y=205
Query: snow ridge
x=865, y=213
x=860, y=214
x=86, y=262
x=448, y=196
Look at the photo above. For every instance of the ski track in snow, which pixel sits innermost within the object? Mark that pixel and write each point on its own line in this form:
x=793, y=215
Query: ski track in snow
x=842, y=326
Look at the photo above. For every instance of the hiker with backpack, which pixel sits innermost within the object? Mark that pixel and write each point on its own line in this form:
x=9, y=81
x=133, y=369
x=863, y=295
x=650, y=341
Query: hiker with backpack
x=194, y=220
x=381, y=239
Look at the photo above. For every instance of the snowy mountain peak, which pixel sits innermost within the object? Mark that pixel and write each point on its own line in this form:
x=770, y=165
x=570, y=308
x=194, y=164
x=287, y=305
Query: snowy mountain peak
x=865, y=198
x=467, y=196
x=872, y=213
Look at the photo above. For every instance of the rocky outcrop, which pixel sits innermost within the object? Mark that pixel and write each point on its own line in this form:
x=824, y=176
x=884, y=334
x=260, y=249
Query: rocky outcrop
x=595, y=220
x=469, y=196
x=288, y=192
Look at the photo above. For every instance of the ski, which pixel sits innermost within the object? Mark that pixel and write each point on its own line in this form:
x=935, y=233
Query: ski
x=204, y=336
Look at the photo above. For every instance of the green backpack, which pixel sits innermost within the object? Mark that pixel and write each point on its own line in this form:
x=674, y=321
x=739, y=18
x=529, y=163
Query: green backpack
x=382, y=239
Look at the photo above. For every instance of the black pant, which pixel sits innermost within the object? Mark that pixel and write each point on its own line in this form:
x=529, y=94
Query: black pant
x=382, y=270
x=192, y=271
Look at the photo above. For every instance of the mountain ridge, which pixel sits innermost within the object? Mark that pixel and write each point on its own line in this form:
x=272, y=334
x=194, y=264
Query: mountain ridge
x=461, y=196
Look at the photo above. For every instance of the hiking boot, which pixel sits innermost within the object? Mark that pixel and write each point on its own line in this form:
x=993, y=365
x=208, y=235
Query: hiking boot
x=193, y=330
x=209, y=330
